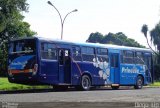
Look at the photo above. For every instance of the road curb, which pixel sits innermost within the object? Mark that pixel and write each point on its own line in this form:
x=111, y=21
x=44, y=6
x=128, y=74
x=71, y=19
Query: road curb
x=151, y=86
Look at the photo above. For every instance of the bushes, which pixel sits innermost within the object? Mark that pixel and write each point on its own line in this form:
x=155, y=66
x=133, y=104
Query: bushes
x=3, y=61
x=3, y=68
x=157, y=71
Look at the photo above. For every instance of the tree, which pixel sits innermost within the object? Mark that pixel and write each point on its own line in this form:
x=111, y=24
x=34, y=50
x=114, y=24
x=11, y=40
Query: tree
x=12, y=25
x=111, y=38
x=95, y=37
x=144, y=30
x=155, y=39
x=155, y=36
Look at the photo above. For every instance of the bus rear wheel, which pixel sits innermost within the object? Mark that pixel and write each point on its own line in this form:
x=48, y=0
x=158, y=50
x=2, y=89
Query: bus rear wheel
x=85, y=83
x=139, y=82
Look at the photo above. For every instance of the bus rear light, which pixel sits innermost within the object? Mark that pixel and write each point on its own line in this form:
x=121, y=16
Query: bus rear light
x=10, y=73
x=35, y=69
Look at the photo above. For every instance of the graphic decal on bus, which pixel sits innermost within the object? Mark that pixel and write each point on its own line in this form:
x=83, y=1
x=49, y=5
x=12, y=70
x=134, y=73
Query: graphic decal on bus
x=104, y=71
x=133, y=69
x=22, y=62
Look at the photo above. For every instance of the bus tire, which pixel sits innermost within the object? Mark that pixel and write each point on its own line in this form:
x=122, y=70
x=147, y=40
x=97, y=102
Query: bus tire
x=85, y=83
x=115, y=87
x=139, y=82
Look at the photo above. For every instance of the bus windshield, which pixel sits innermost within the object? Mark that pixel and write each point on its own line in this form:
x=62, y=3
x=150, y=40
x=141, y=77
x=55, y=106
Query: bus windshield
x=27, y=46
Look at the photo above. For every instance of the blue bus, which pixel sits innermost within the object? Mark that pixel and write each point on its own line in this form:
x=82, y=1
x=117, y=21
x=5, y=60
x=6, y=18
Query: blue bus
x=59, y=63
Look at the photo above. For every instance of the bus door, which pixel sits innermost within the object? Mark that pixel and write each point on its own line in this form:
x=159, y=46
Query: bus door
x=64, y=66
x=115, y=72
x=148, y=63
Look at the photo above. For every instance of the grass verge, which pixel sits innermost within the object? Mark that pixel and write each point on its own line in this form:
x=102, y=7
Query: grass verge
x=155, y=84
x=6, y=85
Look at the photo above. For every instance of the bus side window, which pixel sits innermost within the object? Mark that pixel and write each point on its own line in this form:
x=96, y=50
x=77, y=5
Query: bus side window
x=76, y=53
x=19, y=46
x=128, y=57
x=61, y=57
x=121, y=57
x=148, y=60
x=48, y=51
x=11, y=48
x=44, y=51
x=139, y=59
x=88, y=54
x=102, y=54
x=52, y=52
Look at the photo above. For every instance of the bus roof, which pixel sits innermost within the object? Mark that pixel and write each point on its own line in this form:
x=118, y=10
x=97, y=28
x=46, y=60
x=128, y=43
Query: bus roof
x=86, y=44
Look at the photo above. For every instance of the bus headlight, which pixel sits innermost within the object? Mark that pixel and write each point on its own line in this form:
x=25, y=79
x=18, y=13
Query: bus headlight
x=35, y=69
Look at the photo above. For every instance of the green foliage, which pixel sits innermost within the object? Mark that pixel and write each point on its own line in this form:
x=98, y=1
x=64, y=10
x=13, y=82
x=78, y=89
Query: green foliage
x=12, y=26
x=155, y=36
x=144, y=30
x=2, y=22
x=157, y=71
x=5, y=85
x=111, y=38
x=155, y=39
x=95, y=37
x=3, y=60
x=155, y=84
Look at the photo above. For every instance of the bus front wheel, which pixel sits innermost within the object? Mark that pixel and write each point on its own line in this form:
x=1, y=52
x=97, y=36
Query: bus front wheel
x=85, y=83
x=139, y=82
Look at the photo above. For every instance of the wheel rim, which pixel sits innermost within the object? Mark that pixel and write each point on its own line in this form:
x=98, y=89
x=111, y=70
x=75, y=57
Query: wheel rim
x=140, y=82
x=85, y=83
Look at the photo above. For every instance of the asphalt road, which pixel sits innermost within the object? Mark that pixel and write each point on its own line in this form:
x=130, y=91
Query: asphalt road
x=124, y=98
